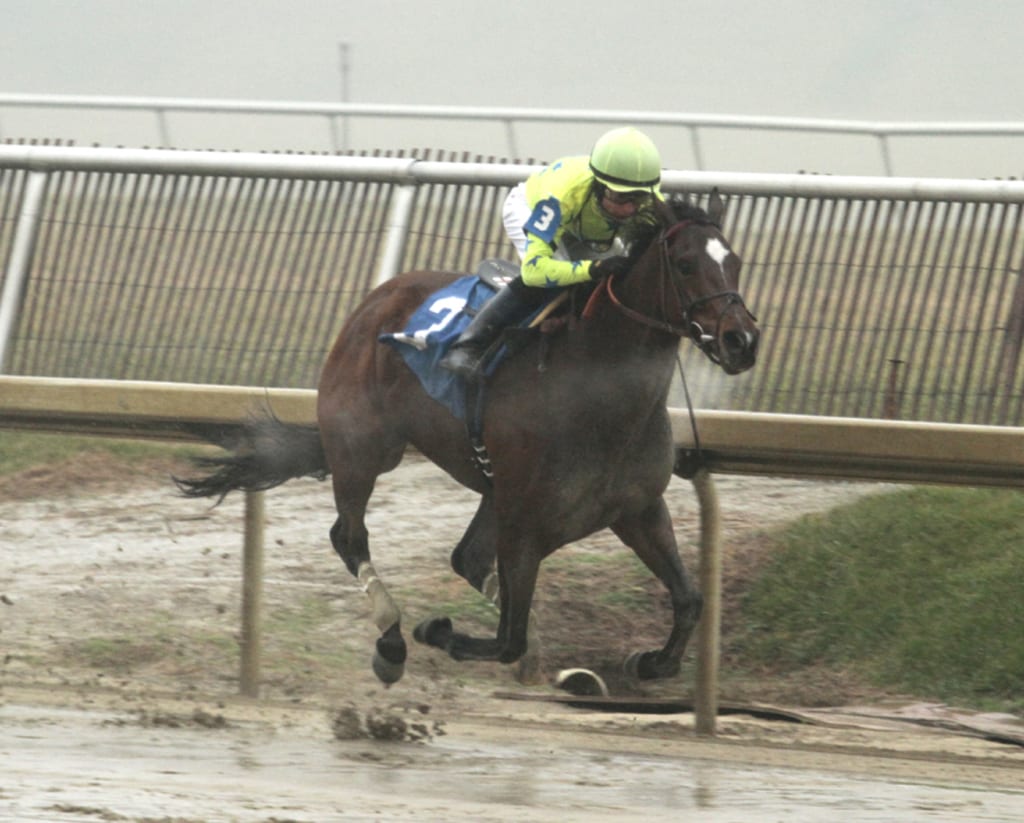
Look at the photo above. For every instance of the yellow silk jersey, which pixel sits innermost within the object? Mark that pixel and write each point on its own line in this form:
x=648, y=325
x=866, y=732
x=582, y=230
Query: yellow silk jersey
x=565, y=215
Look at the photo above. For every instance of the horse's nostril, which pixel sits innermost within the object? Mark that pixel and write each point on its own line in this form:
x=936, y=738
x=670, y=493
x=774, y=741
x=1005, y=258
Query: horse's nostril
x=734, y=341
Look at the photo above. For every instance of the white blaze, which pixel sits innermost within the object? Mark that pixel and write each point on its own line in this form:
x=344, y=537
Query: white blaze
x=716, y=250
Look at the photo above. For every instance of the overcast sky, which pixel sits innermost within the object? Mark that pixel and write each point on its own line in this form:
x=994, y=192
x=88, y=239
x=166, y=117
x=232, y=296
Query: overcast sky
x=900, y=60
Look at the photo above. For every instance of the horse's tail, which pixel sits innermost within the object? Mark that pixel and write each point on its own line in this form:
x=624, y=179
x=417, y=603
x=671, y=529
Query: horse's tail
x=264, y=453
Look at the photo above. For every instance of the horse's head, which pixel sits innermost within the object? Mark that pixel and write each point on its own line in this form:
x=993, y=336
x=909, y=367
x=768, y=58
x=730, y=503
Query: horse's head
x=704, y=272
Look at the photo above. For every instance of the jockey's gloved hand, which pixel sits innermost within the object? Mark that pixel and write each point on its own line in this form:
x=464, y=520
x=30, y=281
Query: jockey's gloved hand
x=609, y=267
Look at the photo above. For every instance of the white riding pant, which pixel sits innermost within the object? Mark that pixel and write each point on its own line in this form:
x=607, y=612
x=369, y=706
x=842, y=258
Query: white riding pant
x=514, y=215
x=517, y=211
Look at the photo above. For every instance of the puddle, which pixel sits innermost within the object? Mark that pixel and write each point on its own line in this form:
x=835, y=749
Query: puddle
x=61, y=765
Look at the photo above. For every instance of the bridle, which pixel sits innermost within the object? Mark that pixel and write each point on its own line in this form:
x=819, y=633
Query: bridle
x=686, y=310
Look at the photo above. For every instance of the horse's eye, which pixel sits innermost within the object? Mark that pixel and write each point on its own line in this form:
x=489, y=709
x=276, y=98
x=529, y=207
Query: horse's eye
x=684, y=266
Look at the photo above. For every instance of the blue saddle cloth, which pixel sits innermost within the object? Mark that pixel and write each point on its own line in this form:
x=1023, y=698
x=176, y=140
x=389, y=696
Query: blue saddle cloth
x=430, y=332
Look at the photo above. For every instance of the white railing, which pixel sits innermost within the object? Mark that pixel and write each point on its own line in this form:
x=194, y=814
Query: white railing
x=800, y=204
x=407, y=172
x=730, y=442
x=337, y=115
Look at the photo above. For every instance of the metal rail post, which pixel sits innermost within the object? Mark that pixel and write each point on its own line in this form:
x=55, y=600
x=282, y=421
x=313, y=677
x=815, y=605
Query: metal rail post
x=883, y=147
x=252, y=594
x=398, y=233
x=22, y=248
x=510, y=137
x=698, y=152
x=709, y=628
x=163, y=128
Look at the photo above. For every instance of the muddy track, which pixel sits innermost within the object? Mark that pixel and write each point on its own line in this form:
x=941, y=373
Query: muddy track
x=119, y=623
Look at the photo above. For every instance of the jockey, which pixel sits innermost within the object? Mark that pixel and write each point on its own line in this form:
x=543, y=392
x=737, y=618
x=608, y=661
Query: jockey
x=570, y=223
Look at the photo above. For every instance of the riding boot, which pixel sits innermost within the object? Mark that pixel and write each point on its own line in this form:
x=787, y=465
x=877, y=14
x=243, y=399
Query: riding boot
x=501, y=311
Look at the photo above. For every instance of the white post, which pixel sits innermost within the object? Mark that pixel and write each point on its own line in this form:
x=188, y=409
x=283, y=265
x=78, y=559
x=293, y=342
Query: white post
x=252, y=594
x=22, y=249
x=398, y=232
x=709, y=628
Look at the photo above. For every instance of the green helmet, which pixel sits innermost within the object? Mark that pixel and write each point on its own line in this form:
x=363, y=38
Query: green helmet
x=626, y=160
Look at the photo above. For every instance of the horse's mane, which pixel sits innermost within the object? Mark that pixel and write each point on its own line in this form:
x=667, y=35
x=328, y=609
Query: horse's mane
x=675, y=209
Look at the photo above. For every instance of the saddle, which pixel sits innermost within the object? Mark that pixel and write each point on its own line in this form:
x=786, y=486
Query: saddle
x=545, y=320
x=497, y=273
x=436, y=325
x=439, y=321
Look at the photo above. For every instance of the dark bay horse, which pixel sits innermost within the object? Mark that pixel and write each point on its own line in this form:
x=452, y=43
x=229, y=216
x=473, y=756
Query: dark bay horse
x=576, y=428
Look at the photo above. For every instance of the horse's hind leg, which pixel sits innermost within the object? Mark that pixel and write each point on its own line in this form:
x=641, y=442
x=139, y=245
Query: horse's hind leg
x=650, y=535
x=351, y=541
x=473, y=560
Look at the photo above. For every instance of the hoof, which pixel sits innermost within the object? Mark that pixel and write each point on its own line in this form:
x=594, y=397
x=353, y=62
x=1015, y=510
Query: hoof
x=530, y=672
x=632, y=665
x=581, y=682
x=386, y=671
x=389, y=660
x=435, y=631
x=645, y=666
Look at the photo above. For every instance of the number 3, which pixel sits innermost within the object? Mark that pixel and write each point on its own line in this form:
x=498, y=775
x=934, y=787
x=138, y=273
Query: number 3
x=543, y=220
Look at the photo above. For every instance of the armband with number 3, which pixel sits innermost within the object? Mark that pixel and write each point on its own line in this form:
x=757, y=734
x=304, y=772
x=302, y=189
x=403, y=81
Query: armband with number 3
x=545, y=219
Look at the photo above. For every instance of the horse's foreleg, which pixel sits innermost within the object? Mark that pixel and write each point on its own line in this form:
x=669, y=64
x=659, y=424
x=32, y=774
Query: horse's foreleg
x=650, y=535
x=474, y=560
x=516, y=580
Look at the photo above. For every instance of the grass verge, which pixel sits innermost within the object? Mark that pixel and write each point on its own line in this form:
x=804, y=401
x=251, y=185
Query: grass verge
x=919, y=590
x=25, y=450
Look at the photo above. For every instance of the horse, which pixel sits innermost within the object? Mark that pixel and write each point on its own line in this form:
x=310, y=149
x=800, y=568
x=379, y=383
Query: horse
x=575, y=427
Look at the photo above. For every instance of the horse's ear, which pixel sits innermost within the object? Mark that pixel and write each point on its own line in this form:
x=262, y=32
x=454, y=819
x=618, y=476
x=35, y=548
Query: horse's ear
x=716, y=207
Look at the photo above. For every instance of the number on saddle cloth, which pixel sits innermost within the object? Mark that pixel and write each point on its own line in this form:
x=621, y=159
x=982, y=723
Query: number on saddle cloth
x=437, y=324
